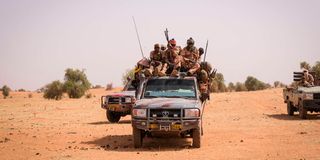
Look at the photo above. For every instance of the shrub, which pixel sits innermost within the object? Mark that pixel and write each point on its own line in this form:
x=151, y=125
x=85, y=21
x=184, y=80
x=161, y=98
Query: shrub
x=97, y=86
x=129, y=73
x=217, y=85
x=76, y=83
x=5, y=91
x=231, y=87
x=109, y=86
x=30, y=95
x=89, y=95
x=53, y=90
x=240, y=87
x=21, y=90
x=253, y=84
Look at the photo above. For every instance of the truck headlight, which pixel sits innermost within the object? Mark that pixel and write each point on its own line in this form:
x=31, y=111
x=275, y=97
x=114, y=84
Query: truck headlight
x=142, y=113
x=308, y=96
x=127, y=100
x=191, y=113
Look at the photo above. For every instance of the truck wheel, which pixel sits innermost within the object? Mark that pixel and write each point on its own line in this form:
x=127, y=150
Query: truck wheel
x=137, y=137
x=302, y=111
x=290, y=109
x=196, y=138
x=113, y=117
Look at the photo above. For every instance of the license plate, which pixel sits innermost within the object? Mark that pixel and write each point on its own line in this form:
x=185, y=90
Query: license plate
x=113, y=107
x=176, y=126
x=165, y=127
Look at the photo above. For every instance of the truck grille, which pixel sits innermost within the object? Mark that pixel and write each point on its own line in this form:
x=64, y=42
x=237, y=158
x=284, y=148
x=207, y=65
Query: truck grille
x=116, y=100
x=316, y=96
x=165, y=113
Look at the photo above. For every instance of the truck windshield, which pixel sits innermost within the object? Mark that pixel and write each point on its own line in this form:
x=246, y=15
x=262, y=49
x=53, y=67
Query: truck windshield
x=170, y=88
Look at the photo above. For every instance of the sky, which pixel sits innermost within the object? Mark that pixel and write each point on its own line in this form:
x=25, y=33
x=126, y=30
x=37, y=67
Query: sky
x=266, y=39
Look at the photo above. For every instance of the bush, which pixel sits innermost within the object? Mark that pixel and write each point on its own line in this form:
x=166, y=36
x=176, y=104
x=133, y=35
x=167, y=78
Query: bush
x=109, y=86
x=5, y=91
x=240, y=87
x=129, y=73
x=21, y=90
x=97, y=86
x=76, y=83
x=217, y=85
x=53, y=90
x=30, y=95
x=89, y=95
x=231, y=87
x=253, y=84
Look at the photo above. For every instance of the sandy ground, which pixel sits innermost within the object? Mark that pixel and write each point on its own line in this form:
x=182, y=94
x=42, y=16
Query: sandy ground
x=246, y=125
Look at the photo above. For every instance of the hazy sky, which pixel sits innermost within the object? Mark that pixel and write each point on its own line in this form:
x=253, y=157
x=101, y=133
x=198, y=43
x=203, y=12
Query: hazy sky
x=267, y=39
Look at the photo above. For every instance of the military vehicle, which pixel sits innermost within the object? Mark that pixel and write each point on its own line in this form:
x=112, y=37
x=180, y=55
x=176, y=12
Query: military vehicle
x=302, y=98
x=119, y=104
x=168, y=105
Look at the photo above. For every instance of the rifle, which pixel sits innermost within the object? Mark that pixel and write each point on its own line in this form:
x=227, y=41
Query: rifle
x=166, y=33
x=205, y=52
x=135, y=26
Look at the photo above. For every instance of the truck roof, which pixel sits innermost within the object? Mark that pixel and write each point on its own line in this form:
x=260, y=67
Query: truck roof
x=180, y=77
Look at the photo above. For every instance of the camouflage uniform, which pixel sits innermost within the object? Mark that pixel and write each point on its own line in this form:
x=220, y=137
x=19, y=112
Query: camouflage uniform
x=190, y=58
x=172, y=57
x=157, y=68
x=308, y=79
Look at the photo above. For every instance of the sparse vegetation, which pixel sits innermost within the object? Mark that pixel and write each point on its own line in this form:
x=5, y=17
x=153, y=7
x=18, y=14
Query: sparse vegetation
x=109, y=86
x=253, y=84
x=217, y=85
x=240, y=87
x=76, y=83
x=21, y=90
x=97, y=86
x=53, y=90
x=89, y=95
x=129, y=73
x=231, y=87
x=5, y=91
x=30, y=95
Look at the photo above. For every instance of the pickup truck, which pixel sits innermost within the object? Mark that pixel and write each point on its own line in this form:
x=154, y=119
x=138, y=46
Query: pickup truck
x=168, y=105
x=302, y=98
x=119, y=104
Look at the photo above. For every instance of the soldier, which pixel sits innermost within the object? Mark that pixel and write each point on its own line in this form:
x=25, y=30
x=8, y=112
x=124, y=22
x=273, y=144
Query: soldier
x=190, y=58
x=157, y=68
x=308, y=79
x=163, y=48
x=172, y=57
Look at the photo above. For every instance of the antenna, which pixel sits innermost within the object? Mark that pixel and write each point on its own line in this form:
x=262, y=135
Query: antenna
x=135, y=26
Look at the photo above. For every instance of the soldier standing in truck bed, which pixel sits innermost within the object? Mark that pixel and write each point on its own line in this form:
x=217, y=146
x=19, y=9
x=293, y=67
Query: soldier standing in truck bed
x=172, y=58
x=190, y=58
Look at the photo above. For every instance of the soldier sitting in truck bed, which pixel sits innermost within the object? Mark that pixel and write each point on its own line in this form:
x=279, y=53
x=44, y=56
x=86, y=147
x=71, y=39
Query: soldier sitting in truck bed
x=308, y=79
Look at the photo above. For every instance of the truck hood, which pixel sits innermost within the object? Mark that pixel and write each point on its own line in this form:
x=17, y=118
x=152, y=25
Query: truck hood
x=315, y=89
x=122, y=94
x=168, y=103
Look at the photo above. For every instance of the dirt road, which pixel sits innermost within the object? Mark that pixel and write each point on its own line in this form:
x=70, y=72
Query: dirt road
x=245, y=125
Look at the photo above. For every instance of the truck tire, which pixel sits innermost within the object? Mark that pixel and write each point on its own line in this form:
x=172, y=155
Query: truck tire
x=302, y=111
x=290, y=108
x=196, y=138
x=112, y=116
x=137, y=137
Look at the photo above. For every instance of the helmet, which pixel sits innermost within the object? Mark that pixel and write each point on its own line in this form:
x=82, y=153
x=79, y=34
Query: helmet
x=201, y=51
x=190, y=41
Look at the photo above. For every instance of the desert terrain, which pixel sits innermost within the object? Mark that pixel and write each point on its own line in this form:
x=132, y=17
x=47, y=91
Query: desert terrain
x=242, y=125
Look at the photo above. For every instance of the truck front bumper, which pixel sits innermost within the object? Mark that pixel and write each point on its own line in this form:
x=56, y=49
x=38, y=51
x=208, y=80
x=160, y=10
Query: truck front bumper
x=312, y=104
x=166, y=125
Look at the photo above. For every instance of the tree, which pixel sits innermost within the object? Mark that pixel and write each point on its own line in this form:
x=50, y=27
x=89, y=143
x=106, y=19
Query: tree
x=240, y=87
x=53, y=90
x=305, y=65
x=231, y=87
x=217, y=85
x=5, y=91
x=316, y=69
x=129, y=73
x=253, y=84
x=76, y=83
